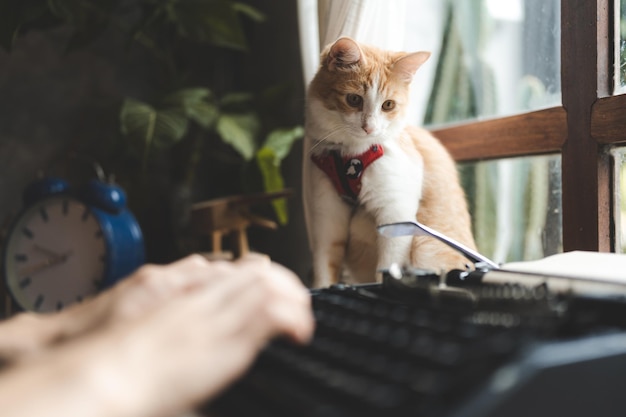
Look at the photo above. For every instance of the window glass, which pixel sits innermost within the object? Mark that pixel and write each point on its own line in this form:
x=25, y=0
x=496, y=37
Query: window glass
x=515, y=206
x=490, y=57
x=495, y=58
x=619, y=181
x=619, y=154
x=622, y=47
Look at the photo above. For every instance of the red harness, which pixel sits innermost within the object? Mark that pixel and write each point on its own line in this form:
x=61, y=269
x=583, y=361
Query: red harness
x=345, y=171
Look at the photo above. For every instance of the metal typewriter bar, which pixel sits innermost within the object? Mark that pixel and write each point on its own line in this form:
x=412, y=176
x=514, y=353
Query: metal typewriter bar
x=490, y=271
x=413, y=228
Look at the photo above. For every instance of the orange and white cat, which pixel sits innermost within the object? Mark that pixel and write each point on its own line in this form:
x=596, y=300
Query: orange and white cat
x=364, y=166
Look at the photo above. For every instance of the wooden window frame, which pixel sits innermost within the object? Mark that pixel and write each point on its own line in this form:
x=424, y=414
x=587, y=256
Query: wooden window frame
x=583, y=130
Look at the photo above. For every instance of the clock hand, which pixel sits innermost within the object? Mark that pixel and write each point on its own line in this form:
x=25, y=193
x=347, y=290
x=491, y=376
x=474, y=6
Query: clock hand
x=29, y=270
x=46, y=263
x=47, y=251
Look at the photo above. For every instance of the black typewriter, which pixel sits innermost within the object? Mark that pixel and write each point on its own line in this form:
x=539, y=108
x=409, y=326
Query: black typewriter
x=450, y=345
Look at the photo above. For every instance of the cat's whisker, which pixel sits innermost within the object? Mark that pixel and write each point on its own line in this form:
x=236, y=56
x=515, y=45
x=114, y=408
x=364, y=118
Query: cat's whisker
x=317, y=144
x=327, y=136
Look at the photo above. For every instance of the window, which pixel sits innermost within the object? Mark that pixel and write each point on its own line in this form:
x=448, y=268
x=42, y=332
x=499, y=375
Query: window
x=516, y=206
x=582, y=131
x=619, y=157
x=621, y=45
x=619, y=154
x=500, y=59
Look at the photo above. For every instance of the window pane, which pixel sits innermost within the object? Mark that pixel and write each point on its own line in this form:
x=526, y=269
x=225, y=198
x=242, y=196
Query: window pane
x=619, y=158
x=619, y=154
x=622, y=48
x=494, y=58
x=515, y=206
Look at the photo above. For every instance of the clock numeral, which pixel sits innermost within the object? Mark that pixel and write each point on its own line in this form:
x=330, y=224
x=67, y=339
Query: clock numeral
x=28, y=233
x=44, y=214
x=38, y=302
x=20, y=257
x=25, y=282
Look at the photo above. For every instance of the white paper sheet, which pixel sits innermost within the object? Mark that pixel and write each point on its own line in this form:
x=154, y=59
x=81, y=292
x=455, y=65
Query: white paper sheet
x=591, y=273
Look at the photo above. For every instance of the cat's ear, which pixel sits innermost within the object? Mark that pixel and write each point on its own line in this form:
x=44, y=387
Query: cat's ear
x=344, y=53
x=406, y=66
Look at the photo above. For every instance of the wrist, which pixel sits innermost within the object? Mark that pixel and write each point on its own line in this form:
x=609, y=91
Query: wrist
x=26, y=333
x=84, y=376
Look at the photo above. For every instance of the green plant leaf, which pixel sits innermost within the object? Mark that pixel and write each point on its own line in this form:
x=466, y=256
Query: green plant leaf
x=237, y=102
x=191, y=94
x=269, y=158
x=197, y=104
x=205, y=114
x=269, y=165
x=150, y=127
x=281, y=140
x=213, y=21
x=249, y=11
x=239, y=131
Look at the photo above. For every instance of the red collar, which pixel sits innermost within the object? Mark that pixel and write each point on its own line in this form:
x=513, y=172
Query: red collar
x=345, y=171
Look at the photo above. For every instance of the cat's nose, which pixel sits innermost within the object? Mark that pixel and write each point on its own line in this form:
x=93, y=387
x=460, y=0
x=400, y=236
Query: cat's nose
x=368, y=128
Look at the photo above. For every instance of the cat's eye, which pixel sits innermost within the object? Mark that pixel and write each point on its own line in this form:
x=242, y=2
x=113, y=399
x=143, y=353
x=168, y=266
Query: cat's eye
x=389, y=105
x=354, y=100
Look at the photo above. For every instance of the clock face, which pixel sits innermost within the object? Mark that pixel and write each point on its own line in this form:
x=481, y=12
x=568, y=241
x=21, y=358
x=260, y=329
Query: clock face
x=55, y=255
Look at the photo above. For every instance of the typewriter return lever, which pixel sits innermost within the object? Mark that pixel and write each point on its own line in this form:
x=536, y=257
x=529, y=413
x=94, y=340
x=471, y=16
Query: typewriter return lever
x=412, y=228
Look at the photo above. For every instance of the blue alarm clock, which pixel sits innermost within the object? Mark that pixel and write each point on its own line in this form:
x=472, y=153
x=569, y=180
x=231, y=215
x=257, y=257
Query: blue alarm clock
x=68, y=244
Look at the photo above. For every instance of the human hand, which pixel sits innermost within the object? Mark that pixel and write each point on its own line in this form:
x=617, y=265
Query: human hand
x=146, y=288
x=200, y=342
x=192, y=346
x=166, y=356
x=29, y=332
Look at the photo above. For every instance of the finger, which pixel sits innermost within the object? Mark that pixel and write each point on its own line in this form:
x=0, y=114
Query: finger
x=255, y=257
x=287, y=306
x=254, y=260
x=184, y=274
x=271, y=297
x=229, y=321
x=295, y=315
x=190, y=270
x=257, y=287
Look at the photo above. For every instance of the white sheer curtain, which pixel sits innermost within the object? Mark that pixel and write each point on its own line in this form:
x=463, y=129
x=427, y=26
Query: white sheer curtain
x=375, y=22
